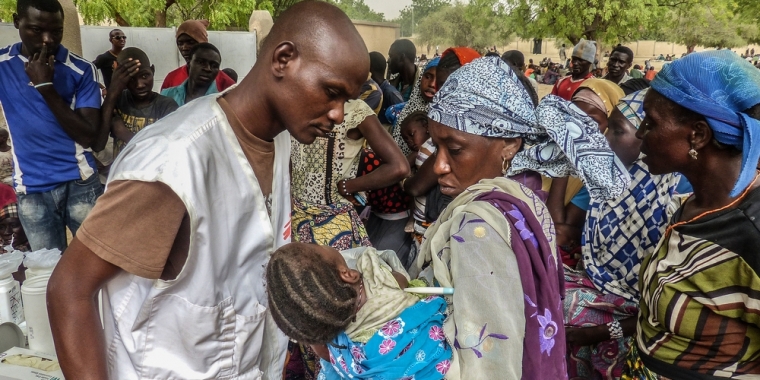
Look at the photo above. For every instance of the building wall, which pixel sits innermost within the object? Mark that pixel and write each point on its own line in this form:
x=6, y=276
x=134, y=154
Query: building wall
x=378, y=36
x=641, y=49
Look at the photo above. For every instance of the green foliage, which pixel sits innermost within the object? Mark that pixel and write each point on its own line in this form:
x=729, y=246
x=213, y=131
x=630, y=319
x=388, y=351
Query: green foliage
x=710, y=24
x=606, y=21
x=412, y=15
x=357, y=10
x=7, y=9
x=222, y=14
x=478, y=24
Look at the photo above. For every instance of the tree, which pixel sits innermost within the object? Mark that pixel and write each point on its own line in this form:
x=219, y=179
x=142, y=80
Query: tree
x=222, y=14
x=606, y=21
x=709, y=25
x=357, y=10
x=478, y=24
x=412, y=15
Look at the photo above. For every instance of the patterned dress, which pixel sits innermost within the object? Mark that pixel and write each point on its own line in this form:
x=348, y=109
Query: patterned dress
x=320, y=214
x=700, y=298
x=618, y=234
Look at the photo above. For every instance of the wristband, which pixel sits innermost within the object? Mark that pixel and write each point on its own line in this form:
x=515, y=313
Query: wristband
x=42, y=84
x=616, y=331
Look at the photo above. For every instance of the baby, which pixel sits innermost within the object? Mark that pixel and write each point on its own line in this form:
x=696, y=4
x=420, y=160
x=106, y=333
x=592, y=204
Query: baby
x=415, y=134
x=359, y=321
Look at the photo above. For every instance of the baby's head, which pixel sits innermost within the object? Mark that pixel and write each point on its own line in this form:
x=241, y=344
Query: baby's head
x=312, y=294
x=414, y=130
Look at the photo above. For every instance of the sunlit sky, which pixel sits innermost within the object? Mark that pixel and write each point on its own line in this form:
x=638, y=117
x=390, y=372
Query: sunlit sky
x=390, y=8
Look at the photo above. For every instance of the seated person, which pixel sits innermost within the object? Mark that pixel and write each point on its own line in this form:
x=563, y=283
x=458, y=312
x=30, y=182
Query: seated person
x=203, y=68
x=131, y=104
x=359, y=321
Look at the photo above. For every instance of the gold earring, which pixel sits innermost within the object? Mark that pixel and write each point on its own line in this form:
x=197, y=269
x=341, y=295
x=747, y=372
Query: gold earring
x=693, y=153
x=504, y=166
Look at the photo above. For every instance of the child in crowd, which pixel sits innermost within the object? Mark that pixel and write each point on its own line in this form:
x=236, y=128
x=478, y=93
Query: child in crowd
x=6, y=158
x=415, y=133
x=359, y=321
x=131, y=104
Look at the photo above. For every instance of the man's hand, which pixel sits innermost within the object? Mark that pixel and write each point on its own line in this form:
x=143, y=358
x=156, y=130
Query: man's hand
x=122, y=75
x=40, y=67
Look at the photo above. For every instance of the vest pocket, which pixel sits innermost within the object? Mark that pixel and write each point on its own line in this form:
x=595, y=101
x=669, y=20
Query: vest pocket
x=187, y=341
x=249, y=338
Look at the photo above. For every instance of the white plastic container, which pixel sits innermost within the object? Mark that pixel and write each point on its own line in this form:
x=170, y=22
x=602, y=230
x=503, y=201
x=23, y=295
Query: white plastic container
x=34, y=272
x=11, y=308
x=34, y=294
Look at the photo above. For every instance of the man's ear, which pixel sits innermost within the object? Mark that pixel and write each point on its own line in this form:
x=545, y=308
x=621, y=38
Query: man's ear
x=16, y=20
x=153, y=69
x=283, y=54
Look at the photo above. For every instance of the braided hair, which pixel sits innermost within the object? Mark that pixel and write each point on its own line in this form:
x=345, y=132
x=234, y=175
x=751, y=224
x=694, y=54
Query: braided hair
x=308, y=300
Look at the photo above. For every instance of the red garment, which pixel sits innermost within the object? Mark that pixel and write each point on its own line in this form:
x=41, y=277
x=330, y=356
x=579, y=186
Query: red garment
x=176, y=77
x=464, y=54
x=650, y=75
x=566, y=87
x=7, y=195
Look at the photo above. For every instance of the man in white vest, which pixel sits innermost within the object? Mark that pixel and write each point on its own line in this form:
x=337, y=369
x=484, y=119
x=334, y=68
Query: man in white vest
x=194, y=207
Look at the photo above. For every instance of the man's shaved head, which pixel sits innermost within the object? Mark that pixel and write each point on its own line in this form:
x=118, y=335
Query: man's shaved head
x=313, y=57
x=304, y=25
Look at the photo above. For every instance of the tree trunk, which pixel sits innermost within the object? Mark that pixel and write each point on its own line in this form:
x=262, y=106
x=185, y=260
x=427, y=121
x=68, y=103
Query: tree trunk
x=161, y=14
x=120, y=20
x=690, y=49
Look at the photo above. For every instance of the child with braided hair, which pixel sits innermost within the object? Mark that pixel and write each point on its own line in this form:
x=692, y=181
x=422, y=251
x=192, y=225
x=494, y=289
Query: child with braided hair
x=359, y=321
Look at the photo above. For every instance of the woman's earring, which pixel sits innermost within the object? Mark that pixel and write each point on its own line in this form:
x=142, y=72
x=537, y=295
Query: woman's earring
x=693, y=153
x=504, y=166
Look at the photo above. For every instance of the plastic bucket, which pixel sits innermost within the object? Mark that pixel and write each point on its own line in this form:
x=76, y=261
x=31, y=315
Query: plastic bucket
x=34, y=295
x=32, y=273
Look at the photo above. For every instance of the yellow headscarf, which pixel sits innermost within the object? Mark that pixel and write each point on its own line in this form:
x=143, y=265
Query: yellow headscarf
x=600, y=93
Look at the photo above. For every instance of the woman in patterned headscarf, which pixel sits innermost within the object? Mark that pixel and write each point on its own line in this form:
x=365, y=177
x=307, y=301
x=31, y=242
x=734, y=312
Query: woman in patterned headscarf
x=602, y=297
x=699, y=315
x=495, y=242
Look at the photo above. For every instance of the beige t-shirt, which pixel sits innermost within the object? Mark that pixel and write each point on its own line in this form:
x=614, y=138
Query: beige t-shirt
x=143, y=227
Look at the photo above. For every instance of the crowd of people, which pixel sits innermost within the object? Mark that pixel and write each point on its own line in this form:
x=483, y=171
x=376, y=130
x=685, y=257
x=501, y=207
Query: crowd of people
x=340, y=215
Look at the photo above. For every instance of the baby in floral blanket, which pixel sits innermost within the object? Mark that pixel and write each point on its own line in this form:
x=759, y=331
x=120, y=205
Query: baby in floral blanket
x=350, y=307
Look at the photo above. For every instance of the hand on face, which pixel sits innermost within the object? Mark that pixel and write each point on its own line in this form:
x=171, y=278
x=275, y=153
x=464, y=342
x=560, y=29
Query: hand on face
x=40, y=67
x=123, y=74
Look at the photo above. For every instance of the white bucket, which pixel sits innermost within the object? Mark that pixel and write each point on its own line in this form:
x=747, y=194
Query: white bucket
x=11, y=309
x=34, y=294
x=32, y=273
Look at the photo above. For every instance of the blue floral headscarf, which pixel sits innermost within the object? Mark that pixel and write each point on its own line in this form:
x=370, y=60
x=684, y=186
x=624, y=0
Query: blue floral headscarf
x=486, y=98
x=719, y=85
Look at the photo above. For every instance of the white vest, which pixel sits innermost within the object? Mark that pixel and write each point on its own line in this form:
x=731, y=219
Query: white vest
x=212, y=321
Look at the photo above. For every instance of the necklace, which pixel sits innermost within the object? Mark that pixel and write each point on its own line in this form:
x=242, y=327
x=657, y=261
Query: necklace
x=736, y=201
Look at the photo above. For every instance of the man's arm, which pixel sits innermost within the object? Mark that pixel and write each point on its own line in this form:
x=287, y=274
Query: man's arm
x=73, y=308
x=81, y=125
x=395, y=166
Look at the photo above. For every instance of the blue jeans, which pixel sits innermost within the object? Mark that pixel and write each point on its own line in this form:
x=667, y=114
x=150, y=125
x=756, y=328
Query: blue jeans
x=45, y=216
